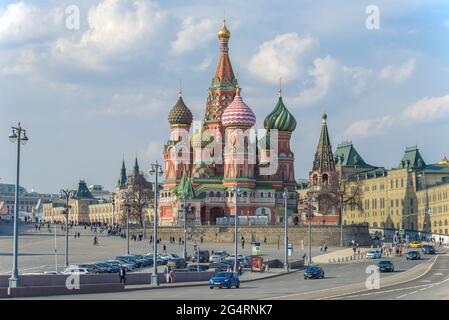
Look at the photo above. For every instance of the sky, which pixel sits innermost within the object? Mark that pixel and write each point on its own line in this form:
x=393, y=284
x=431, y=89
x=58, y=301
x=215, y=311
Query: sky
x=95, y=92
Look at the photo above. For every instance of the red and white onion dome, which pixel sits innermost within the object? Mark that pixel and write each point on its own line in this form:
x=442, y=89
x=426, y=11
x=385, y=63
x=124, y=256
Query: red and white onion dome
x=237, y=113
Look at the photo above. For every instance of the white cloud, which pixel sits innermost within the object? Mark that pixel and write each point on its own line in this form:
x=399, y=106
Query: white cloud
x=398, y=73
x=194, y=34
x=132, y=105
x=358, y=78
x=428, y=109
x=281, y=57
x=363, y=128
x=22, y=23
x=324, y=71
x=115, y=27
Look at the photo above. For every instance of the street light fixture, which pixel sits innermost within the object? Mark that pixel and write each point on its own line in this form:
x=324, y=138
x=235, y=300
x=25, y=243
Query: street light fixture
x=310, y=198
x=67, y=194
x=156, y=171
x=186, y=209
x=286, y=266
x=18, y=136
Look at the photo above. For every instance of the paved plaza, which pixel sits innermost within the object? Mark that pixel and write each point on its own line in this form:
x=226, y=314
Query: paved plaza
x=37, y=248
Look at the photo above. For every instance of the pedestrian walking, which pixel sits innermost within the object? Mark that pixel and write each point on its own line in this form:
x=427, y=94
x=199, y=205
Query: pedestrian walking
x=321, y=248
x=164, y=249
x=122, y=275
x=167, y=275
x=325, y=248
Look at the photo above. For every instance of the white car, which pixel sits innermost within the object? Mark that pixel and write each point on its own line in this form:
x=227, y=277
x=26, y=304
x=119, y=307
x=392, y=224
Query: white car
x=373, y=254
x=219, y=256
x=76, y=270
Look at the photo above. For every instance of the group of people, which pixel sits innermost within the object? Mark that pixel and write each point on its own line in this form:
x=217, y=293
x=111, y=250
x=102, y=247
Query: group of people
x=173, y=240
x=323, y=248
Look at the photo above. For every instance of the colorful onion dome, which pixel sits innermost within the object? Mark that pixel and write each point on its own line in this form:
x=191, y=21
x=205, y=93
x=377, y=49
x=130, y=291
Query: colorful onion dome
x=224, y=33
x=280, y=118
x=237, y=113
x=180, y=114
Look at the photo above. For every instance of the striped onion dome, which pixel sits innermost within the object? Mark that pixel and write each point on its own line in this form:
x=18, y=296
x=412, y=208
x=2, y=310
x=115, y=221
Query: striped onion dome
x=180, y=114
x=237, y=113
x=280, y=118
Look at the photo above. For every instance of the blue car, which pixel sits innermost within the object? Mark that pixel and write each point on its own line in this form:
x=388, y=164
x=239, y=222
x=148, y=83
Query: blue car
x=224, y=280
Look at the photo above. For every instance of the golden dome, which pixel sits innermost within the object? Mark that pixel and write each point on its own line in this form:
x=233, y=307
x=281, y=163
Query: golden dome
x=444, y=162
x=224, y=32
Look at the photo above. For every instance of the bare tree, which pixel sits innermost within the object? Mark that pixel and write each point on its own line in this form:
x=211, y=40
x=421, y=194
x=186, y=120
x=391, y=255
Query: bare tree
x=140, y=200
x=347, y=193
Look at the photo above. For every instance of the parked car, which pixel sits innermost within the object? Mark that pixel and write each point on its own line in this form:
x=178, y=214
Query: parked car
x=373, y=254
x=160, y=261
x=219, y=266
x=146, y=261
x=413, y=255
x=128, y=266
x=415, y=244
x=385, y=266
x=176, y=263
x=108, y=267
x=242, y=260
x=314, y=272
x=428, y=249
x=203, y=256
x=76, y=270
x=195, y=267
x=218, y=256
x=224, y=280
x=52, y=272
x=92, y=268
x=128, y=260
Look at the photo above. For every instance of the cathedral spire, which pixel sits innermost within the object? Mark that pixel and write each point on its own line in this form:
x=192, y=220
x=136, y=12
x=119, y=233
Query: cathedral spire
x=136, y=167
x=122, y=180
x=324, y=159
x=223, y=86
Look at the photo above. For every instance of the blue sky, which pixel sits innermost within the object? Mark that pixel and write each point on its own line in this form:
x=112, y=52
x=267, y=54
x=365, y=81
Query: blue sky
x=91, y=95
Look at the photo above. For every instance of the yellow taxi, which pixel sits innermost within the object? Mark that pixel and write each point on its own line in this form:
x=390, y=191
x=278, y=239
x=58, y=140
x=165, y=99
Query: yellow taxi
x=415, y=244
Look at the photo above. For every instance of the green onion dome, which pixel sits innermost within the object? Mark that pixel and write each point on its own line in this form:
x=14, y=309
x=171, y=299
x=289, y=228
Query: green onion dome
x=280, y=118
x=180, y=114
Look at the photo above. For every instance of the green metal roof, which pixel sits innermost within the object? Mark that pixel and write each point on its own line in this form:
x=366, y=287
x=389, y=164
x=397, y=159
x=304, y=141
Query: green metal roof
x=347, y=156
x=185, y=188
x=436, y=168
x=412, y=159
x=83, y=191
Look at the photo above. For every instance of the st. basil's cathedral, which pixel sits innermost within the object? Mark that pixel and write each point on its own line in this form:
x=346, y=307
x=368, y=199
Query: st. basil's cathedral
x=207, y=187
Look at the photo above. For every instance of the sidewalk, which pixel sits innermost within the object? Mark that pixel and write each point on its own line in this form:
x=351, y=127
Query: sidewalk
x=339, y=254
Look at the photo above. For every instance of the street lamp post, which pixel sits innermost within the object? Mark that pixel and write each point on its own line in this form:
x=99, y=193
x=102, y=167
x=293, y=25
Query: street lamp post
x=127, y=197
x=310, y=198
x=18, y=136
x=67, y=194
x=113, y=210
x=236, y=222
x=186, y=208
x=156, y=170
x=286, y=266
x=342, y=212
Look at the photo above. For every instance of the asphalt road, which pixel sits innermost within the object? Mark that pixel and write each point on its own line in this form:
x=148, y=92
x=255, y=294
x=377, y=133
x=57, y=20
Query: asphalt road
x=282, y=286
x=433, y=285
